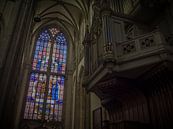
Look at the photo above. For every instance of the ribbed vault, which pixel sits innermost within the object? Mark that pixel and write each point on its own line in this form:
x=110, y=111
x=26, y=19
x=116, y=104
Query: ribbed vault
x=68, y=14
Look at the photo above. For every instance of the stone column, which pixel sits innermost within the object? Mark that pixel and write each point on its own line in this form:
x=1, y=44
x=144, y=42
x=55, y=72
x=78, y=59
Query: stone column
x=69, y=90
x=11, y=79
x=86, y=52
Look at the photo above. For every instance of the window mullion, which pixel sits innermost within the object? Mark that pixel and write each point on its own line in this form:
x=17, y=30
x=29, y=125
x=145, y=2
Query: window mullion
x=48, y=76
x=36, y=96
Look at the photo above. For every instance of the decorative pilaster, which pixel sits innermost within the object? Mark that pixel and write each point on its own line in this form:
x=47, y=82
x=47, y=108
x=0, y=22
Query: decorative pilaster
x=86, y=51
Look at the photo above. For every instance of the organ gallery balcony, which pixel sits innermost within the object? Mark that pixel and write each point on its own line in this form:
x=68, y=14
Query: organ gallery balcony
x=128, y=59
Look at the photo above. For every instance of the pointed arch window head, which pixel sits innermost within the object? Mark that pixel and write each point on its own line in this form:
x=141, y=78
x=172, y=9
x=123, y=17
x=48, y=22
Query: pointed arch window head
x=46, y=85
x=53, y=31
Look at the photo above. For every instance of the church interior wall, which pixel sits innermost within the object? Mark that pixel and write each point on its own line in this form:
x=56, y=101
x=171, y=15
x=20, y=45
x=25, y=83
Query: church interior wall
x=150, y=105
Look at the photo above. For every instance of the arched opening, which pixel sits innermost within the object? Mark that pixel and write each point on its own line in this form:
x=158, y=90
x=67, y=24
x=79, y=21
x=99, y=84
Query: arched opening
x=44, y=97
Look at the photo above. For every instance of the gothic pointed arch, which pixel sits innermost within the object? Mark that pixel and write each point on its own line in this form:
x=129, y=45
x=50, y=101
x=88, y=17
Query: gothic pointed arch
x=44, y=98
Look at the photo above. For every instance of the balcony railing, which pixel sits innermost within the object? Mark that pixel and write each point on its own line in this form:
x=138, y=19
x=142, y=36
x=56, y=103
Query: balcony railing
x=144, y=50
x=143, y=45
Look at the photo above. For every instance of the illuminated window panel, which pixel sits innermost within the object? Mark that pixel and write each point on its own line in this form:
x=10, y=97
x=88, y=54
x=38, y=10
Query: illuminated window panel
x=54, y=98
x=59, y=55
x=45, y=100
x=35, y=96
x=42, y=52
x=54, y=31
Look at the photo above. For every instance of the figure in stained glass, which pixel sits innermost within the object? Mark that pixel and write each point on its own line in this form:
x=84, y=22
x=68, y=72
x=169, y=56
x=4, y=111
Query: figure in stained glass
x=46, y=84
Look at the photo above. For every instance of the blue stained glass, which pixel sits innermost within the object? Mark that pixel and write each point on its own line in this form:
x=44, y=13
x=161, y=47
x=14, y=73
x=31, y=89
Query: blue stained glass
x=56, y=84
x=59, y=54
x=34, y=96
x=42, y=49
x=47, y=40
x=55, y=92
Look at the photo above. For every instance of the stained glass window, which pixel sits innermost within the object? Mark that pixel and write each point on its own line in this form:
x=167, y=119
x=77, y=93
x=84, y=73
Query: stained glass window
x=42, y=52
x=46, y=84
x=59, y=54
